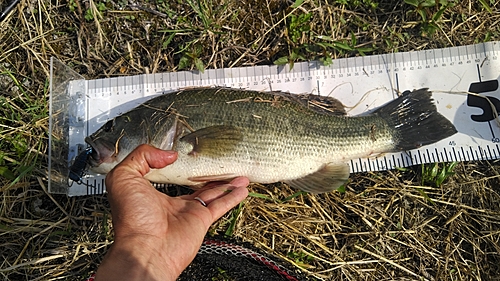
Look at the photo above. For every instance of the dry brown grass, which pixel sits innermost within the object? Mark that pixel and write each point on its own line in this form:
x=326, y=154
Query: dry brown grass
x=381, y=228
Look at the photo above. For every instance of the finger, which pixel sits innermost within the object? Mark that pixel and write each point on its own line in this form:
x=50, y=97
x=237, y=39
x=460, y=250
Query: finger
x=222, y=198
x=139, y=162
x=240, y=181
x=145, y=157
x=215, y=190
x=222, y=205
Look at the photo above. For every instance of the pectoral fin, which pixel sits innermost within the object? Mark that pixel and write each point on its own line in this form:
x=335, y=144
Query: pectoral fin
x=214, y=140
x=328, y=178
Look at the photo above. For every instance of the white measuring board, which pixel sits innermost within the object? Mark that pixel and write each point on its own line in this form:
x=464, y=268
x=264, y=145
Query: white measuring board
x=360, y=83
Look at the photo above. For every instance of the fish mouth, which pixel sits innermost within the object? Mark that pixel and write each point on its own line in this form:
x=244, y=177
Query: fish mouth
x=101, y=151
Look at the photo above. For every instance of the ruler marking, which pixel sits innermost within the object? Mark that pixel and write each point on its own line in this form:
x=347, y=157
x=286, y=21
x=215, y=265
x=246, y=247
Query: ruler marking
x=476, y=152
x=409, y=159
x=397, y=82
x=428, y=154
x=491, y=129
x=369, y=165
x=419, y=157
x=363, y=64
x=489, y=152
x=464, y=154
x=164, y=82
x=478, y=73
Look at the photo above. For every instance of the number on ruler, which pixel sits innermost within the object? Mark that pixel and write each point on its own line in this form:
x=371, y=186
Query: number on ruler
x=480, y=102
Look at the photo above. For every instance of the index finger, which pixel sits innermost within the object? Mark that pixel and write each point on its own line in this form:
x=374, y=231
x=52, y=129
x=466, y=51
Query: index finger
x=220, y=199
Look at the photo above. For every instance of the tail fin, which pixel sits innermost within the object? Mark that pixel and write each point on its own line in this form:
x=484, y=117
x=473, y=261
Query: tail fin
x=415, y=120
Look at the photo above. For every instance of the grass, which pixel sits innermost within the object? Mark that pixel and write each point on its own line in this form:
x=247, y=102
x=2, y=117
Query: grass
x=435, y=222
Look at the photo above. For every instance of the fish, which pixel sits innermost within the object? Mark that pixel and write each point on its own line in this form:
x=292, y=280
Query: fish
x=222, y=133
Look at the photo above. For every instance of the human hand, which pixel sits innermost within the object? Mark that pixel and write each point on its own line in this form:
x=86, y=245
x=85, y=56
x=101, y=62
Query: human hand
x=157, y=236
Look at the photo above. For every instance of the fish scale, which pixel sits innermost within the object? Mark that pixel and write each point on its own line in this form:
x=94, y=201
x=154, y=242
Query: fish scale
x=300, y=132
x=222, y=133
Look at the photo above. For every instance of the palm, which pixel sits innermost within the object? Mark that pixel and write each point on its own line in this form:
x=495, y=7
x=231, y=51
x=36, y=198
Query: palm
x=174, y=225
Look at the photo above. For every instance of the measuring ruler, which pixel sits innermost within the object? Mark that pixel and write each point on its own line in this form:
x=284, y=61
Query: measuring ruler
x=360, y=83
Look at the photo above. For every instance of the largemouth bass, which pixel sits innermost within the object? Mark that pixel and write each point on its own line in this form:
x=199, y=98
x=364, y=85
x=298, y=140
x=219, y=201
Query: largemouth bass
x=222, y=133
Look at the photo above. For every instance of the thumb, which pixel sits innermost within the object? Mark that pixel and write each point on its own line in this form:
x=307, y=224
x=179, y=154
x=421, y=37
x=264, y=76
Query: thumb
x=140, y=161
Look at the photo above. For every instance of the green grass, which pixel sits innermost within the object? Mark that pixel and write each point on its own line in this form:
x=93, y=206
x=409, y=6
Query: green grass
x=23, y=116
x=436, y=173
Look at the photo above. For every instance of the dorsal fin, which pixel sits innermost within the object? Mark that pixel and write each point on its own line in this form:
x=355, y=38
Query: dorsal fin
x=320, y=104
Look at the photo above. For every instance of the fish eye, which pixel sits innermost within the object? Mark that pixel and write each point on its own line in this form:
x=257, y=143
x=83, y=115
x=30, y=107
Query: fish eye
x=108, y=127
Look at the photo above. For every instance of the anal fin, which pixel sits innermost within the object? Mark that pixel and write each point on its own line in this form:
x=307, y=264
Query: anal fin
x=223, y=177
x=328, y=178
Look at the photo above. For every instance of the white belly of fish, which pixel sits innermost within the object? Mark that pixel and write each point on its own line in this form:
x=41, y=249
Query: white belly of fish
x=190, y=170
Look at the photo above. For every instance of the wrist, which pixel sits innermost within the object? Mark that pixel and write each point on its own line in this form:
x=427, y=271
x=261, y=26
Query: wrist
x=135, y=260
